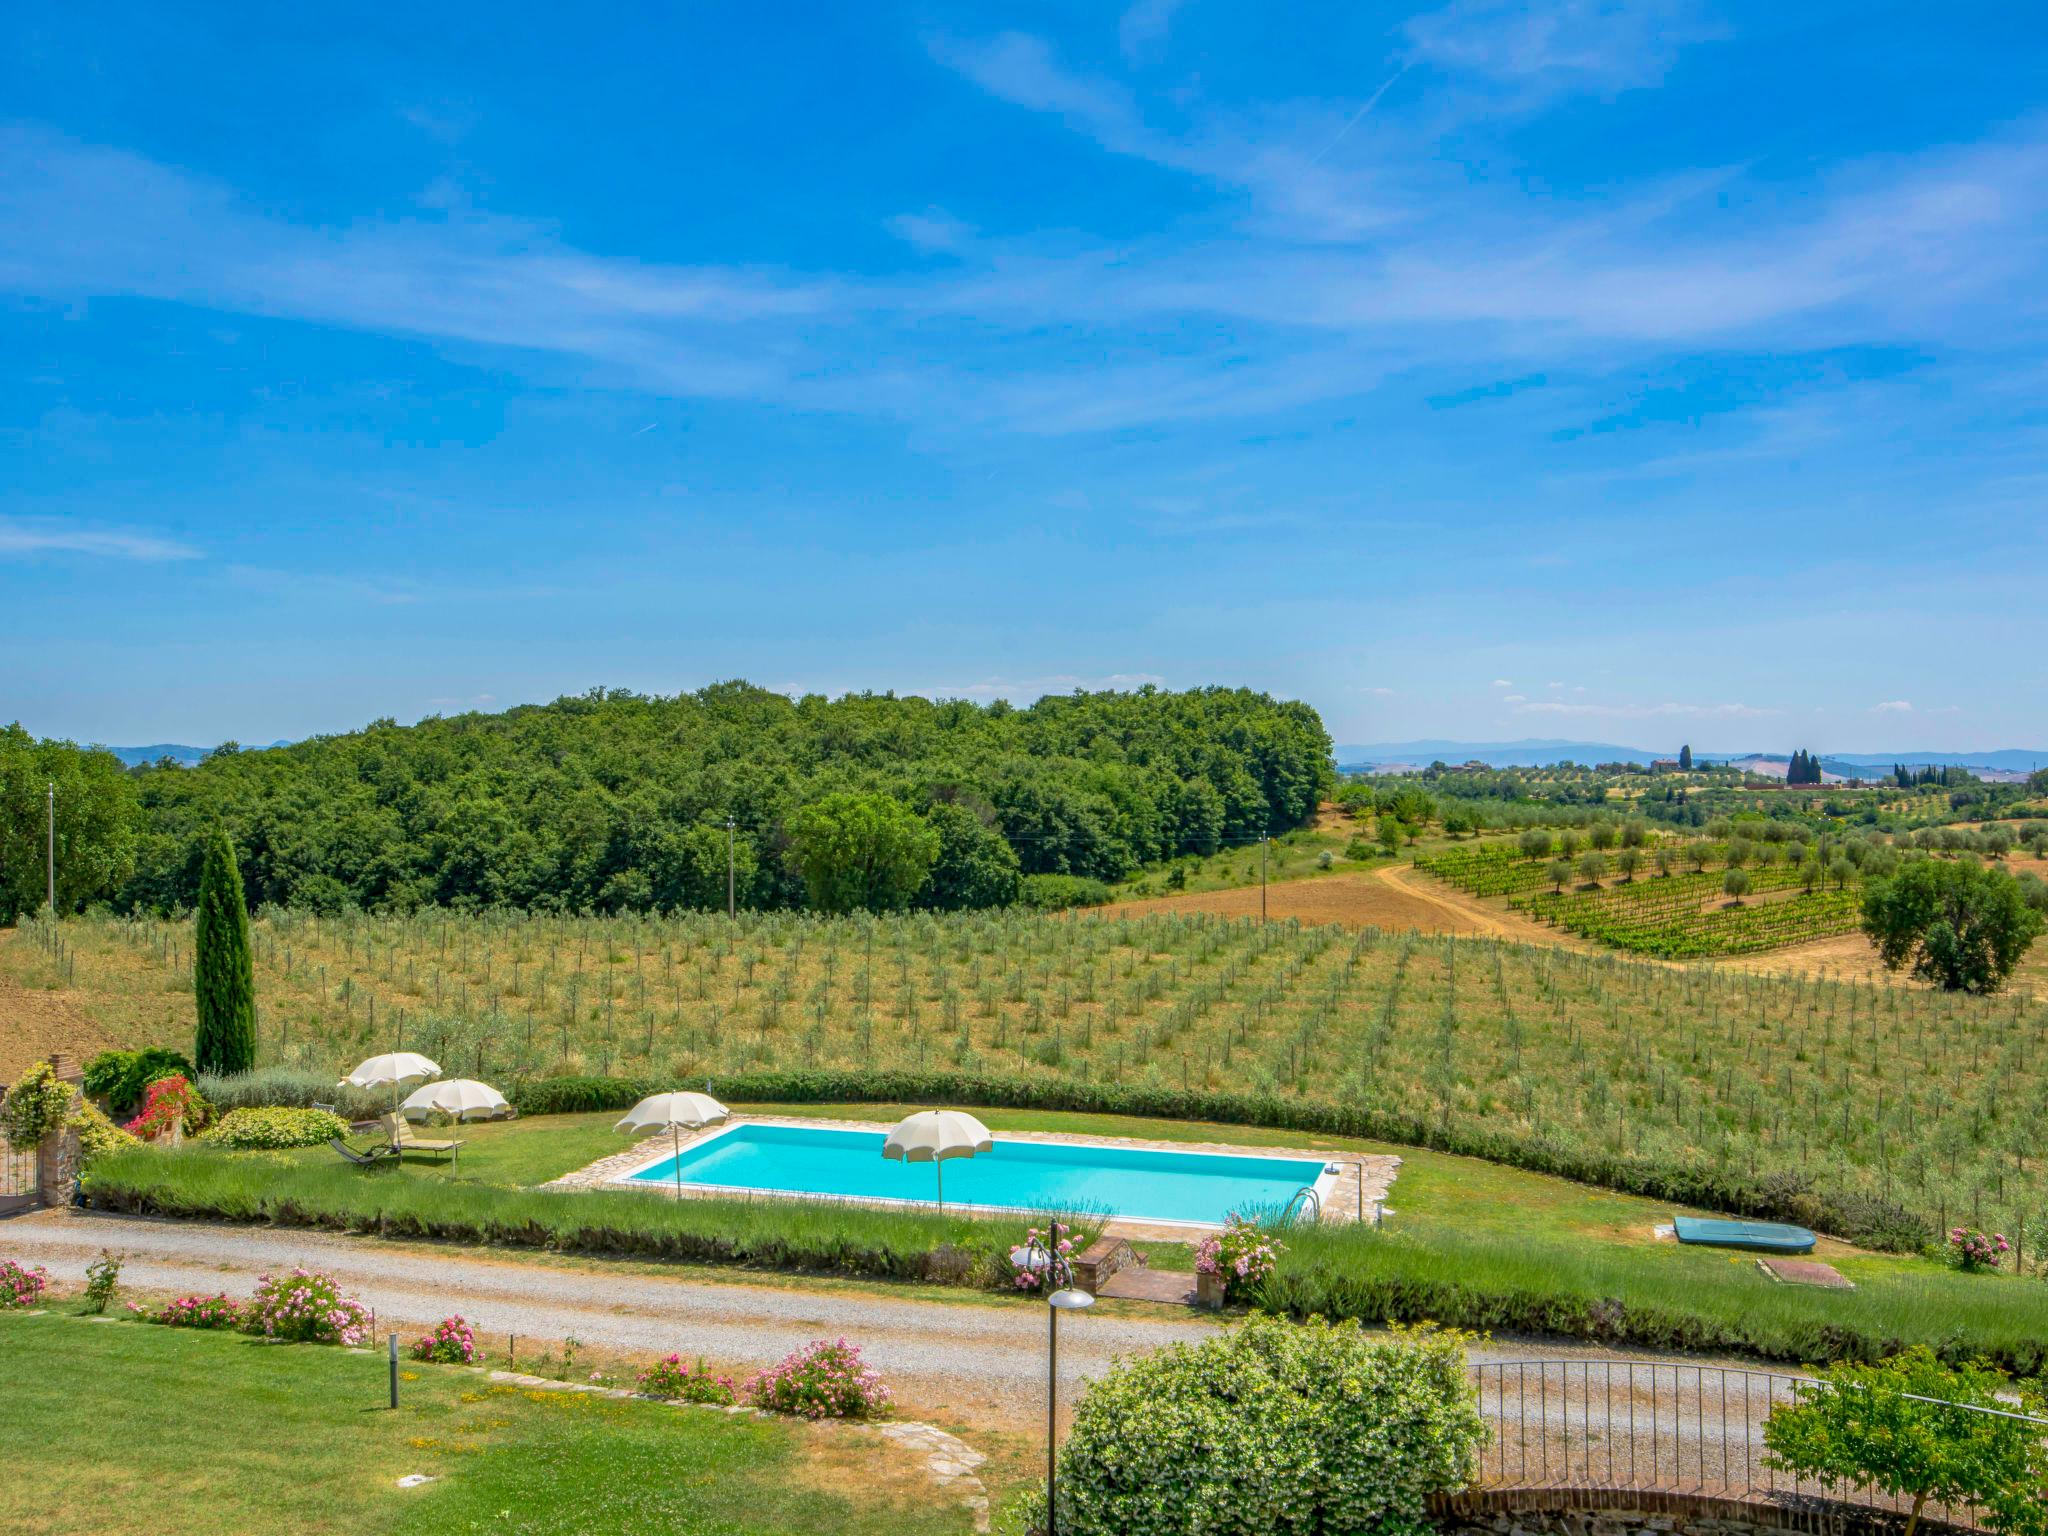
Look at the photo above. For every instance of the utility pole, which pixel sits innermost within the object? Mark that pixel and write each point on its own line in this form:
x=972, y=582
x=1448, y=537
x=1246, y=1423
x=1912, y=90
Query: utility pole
x=1264, y=840
x=51, y=849
x=729, y=883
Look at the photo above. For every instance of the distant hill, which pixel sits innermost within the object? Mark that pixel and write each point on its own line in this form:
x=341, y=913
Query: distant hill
x=2005, y=762
x=177, y=752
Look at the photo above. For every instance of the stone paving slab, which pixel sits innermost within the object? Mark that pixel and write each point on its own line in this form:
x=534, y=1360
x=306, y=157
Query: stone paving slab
x=1806, y=1272
x=1361, y=1182
x=1165, y=1285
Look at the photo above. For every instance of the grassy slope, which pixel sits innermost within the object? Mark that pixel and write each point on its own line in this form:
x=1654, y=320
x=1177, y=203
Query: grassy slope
x=173, y=1432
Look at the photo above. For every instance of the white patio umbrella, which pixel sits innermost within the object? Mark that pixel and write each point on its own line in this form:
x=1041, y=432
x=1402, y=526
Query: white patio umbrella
x=932, y=1136
x=393, y=1071
x=674, y=1113
x=461, y=1097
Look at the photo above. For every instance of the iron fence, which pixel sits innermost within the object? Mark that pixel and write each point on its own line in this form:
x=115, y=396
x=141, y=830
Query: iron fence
x=17, y=1177
x=1656, y=1427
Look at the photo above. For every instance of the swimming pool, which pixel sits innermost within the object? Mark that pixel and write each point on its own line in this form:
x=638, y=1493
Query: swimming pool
x=1139, y=1183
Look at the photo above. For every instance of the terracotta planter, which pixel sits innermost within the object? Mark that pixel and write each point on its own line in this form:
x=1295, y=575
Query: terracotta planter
x=1209, y=1291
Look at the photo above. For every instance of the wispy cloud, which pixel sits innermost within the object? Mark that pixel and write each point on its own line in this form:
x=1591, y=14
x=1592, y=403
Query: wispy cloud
x=1602, y=45
x=1892, y=707
x=20, y=536
x=1144, y=25
x=1628, y=711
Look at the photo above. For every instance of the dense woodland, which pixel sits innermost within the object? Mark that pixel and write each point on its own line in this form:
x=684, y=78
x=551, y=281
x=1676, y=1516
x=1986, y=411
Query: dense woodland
x=615, y=801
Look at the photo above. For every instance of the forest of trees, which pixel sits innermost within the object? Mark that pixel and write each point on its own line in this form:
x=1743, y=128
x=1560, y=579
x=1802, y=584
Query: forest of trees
x=614, y=801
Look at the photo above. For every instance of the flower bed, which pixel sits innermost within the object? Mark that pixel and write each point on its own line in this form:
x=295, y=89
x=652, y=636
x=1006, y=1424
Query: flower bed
x=670, y=1378
x=21, y=1285
x=216, y=1311
x=306, y=1307
x=453, y=1342
x=823, y=1380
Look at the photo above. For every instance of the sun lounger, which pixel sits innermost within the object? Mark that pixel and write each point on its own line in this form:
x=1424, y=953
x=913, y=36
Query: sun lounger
x=399, y=1129
x=367, y=1159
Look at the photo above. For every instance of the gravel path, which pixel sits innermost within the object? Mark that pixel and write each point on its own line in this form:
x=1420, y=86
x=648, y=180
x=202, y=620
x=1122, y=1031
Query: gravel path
x=978, y=1361
x=967, y=1360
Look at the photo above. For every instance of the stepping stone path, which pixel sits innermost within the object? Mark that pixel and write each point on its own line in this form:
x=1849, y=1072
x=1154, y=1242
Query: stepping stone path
x=951, y=1461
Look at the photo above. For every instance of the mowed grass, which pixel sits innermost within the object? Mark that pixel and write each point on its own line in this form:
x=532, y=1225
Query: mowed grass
x=123, y=1427
x=1467, y=1241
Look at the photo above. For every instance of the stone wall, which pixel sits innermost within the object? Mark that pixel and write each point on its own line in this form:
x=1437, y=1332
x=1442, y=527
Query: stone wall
x=57, y=1154
x=1607, y=1512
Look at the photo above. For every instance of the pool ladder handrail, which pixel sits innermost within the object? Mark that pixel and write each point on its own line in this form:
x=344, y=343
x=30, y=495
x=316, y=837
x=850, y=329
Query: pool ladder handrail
x=1304, y=1197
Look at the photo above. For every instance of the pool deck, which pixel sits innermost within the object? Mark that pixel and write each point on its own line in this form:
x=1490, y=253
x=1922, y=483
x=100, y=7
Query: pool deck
x=1361, y=1180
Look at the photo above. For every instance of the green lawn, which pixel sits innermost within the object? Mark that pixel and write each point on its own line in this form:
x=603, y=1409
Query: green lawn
x=1468, y=1240
x=122, y=1427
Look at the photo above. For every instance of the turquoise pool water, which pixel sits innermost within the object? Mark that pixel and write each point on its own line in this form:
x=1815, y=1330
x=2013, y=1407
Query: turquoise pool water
x=1133, y=1182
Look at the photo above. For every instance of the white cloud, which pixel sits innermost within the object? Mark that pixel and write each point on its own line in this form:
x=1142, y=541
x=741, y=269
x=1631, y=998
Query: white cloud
x=1145, y=24
x=934, y=230
x=52, y=537
x=1501, y=682
x=1644, y=711
x=1515, y=698
x=1892, y=707
x=1600, y=45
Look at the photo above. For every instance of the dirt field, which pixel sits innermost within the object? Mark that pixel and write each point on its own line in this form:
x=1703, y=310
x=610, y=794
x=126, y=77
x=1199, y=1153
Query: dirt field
x=121, y=1005
x=1393, y=898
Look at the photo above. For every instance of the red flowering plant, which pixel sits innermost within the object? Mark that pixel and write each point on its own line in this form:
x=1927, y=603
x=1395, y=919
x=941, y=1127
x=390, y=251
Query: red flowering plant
x=1046, y=1261
x=670, y=1378
x=823, y=1380
x=20, y=1285
x=306, y=1307
x=452, y=1343
x=167, y=1102
x=194, y=1312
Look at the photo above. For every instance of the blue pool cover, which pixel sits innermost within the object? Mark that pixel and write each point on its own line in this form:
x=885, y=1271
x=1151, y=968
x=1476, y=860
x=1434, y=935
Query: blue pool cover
x=1136, y=1182
x=1763, y=1236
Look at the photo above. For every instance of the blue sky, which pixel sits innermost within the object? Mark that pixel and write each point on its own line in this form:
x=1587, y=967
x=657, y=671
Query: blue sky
x=1625, y=372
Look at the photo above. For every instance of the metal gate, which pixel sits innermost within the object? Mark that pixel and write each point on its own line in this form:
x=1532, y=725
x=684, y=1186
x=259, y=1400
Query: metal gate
x=17, y=1179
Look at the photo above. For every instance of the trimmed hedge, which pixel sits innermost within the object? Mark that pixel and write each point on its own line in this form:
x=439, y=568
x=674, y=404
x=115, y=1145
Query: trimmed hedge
x=1781, y=1196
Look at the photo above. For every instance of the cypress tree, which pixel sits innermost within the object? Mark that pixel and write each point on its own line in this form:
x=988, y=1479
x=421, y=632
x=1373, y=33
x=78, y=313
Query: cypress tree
x=223, y=978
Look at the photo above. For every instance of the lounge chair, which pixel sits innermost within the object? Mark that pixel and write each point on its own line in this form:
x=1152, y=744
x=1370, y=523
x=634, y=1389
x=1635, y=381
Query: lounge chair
x=399, y=1129
x=368, y=1159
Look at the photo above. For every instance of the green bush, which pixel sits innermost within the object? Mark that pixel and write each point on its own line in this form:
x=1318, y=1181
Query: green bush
x=275, y=1129
x=1306, y=1429
x=292, y=1086
x=1054, y=893
x=119, y=1077
x=1783, y=1196
x=35, y=1106
x=97, y=1135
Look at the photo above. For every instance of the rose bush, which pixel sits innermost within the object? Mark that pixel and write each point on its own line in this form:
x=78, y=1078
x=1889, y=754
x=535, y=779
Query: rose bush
x=306, y=1307
x=20, y=1285
x=1305, y=1428
x=823, y=1380
x=670, y=1378
x=167, y=1103
x=1974, y=1251
x=217, y=1311
x=1048, y=1259
x=1243, y=1255
x=452, y=1343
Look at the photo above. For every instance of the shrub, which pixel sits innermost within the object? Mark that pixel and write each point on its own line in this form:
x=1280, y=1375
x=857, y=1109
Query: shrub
x=196, y=1312
x=669, y=1378
x=307, y=1308
x=268, y=1086
x=35, y=1106
x=20, y=1285
x=453, y=1342
x=120, y=1077
x=168, y=1102
x=102, y=1277
x=1053, y=893
x=1971, y=1251
x=1875, y=1426
x=97, y=1135
x=1243, y=1254
x=823, y=1380
x=275, y=1129
x=1305, y=1428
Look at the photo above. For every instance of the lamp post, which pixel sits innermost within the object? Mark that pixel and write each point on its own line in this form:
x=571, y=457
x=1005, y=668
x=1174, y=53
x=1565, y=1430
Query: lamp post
x=1069, y=1299
x=1058, y=1270
x=730, y=906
